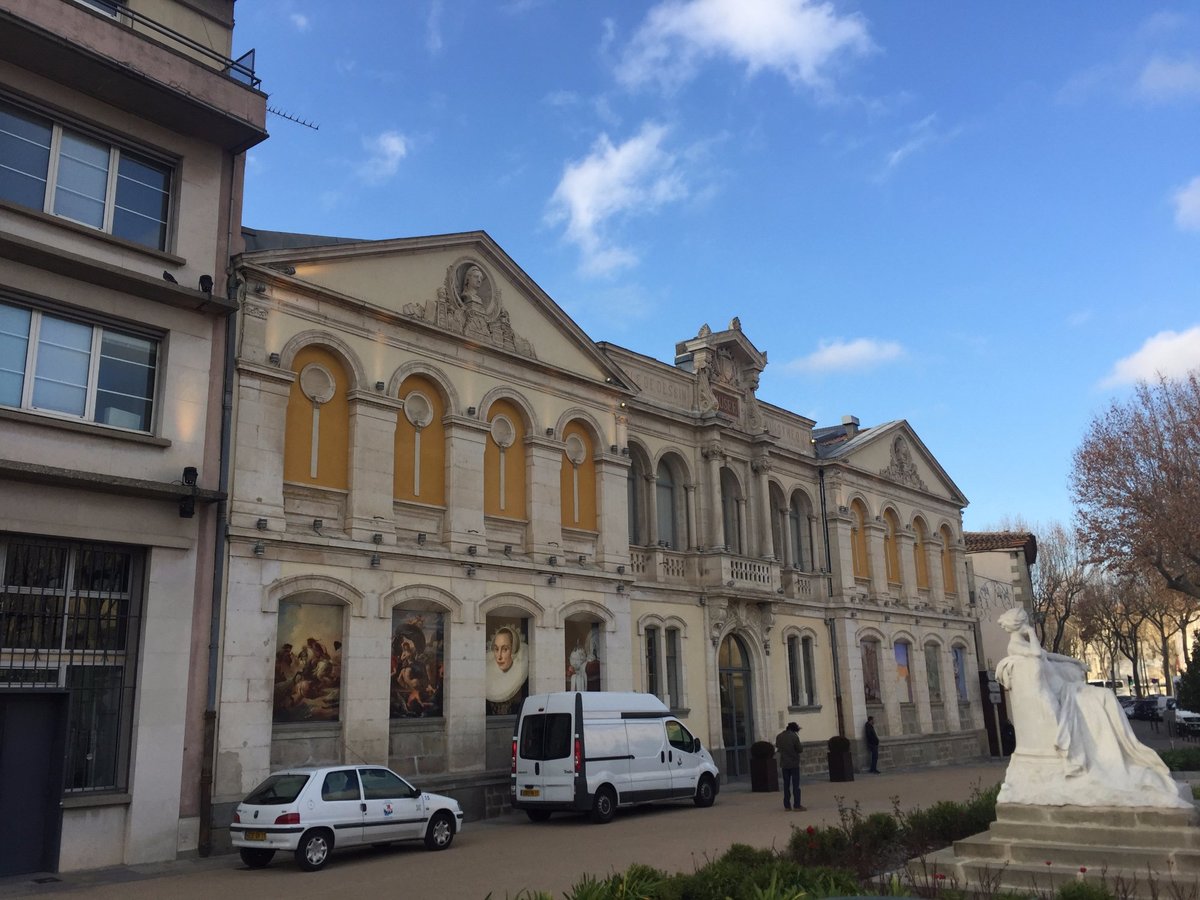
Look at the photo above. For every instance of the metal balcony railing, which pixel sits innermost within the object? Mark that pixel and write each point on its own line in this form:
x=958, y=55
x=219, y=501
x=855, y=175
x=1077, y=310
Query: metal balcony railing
x=240, y=69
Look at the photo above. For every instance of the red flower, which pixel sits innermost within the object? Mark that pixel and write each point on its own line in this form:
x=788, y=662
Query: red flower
x=811, y=830
x=1049, y=863
x=1083, y=868
x=939, y=876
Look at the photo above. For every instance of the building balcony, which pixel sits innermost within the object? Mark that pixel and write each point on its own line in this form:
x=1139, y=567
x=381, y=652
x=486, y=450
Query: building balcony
x=137, y=64
x=661, y=565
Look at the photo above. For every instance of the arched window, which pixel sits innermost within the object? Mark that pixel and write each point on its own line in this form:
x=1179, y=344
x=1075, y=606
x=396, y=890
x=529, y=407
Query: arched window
x=577, y=479
x=869, y=649
x=921, y=554
x=933, y=671
x=731, y=496
x=636, y=482
x=665, y=501
x=316, y=440
x=891, y=546
x=797, y=528
x=801, y=683
x=504, y=462
x=948, y=580
x=903, y=650
x=858, y=540
x=420, y=449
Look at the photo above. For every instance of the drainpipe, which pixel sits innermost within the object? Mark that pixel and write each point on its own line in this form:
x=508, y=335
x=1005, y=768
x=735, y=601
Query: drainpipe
x=208, y=757
x=830, y=622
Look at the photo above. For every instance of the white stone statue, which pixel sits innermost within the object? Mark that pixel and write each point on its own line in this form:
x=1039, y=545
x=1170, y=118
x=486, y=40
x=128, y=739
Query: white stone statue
x=1074, y=744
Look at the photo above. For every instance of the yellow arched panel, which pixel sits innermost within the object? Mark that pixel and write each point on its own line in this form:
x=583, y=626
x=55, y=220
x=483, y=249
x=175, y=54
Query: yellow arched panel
x=948, y=580
x=858, y=540
x=583, y=516
x=891, y=546
x=920, y=554
x=431, y=486
x=505, y=496
x=332, y=446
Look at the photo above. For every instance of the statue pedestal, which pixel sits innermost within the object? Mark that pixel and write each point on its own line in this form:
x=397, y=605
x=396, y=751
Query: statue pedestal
x=1039, y=848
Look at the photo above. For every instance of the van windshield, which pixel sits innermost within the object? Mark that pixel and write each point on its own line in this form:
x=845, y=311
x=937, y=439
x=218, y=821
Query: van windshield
x=546, y=736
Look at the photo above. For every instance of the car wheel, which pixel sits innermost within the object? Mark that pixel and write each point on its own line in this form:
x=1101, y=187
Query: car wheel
x=314, y=850
x=604, y=805
x=706, y=792
x=256, y=857
x=538, y=815
x=440, y=833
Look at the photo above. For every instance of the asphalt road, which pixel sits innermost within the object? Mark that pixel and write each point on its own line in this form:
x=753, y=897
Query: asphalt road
x=507, y=855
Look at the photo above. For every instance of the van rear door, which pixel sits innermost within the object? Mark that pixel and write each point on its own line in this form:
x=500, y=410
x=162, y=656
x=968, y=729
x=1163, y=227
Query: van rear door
x=546, y=757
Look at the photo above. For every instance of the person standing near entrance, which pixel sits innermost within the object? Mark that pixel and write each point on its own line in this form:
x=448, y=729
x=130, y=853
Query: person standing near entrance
x=872, y=744
x=788, y=745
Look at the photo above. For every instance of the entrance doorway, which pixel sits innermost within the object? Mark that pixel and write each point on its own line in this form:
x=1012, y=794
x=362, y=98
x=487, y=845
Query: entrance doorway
x=32, y=743
x=737, y=714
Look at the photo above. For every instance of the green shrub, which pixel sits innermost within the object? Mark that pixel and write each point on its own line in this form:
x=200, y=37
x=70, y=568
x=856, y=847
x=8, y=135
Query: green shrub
x=1182, y=759
x=1083, y=890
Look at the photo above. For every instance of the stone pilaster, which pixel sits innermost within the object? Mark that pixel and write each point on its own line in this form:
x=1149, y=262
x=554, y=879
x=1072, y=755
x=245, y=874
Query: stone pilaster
x=258, y=440
x=543, y=461
x=612, y=473
x=372, y=464
x=465, y=441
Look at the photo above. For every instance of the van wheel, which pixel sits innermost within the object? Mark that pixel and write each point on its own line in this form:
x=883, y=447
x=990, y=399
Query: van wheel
x=440, y=832
x=538, y=815
x=256, y=857
x=604, y=805
x=706, y=792
x=314, y=850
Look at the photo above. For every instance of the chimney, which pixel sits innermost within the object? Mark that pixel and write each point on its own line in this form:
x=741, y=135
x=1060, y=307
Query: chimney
x=850, y=423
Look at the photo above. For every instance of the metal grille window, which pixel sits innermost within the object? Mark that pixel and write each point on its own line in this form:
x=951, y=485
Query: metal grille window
x=78, y=177
x=652, y=685
x=70, y=619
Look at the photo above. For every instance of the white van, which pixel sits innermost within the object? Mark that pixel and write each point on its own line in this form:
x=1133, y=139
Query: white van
x=597, y=750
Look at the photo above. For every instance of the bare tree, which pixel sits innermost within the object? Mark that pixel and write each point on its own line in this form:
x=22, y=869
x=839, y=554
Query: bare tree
x=1136, y=484
x=1158, y=605
x=1059, y=579
x=1108, y=615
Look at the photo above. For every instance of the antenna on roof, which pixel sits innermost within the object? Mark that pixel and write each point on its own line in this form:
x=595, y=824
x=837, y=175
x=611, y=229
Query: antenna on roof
x=291, y=118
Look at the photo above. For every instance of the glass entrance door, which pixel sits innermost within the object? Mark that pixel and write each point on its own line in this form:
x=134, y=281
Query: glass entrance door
x=736, y=713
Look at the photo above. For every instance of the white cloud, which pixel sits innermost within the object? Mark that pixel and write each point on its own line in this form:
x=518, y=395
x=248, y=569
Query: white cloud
x=921, y=135
x=386, y=149
x=859, y=354
x=800, y=39
x=300, y=21
x=1079, y=318
x=614, y=180
x=1168, y=353
x=1163, y=80
x=433, y=28
x=1187, y=205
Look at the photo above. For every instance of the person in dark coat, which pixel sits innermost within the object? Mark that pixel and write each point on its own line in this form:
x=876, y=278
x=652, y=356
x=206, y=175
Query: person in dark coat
x=872, y=744
x=788, y=745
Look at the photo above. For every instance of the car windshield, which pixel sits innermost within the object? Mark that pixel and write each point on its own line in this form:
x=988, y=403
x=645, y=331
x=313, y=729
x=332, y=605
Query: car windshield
x=278, y=790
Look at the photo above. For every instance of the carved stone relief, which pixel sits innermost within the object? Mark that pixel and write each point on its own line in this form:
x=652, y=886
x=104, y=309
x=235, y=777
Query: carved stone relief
x=468, y=303
x=901, y=467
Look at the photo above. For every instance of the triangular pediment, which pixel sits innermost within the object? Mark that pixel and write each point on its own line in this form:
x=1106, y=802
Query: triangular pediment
x=894, y=452
x=460, y=285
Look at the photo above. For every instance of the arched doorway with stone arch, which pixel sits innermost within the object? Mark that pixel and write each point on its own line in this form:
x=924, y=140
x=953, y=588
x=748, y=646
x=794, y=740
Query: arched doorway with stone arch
x=736, y=686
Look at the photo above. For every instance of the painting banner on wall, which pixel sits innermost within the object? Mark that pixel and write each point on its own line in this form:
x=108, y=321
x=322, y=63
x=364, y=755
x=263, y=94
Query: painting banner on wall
x=418, y=663
x=583, y=662
x=308, y=662
x=507, y=665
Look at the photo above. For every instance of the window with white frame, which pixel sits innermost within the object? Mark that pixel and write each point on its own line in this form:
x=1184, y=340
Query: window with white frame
x=56, y=169
x=653, y=685
x=673, y=669
x=71, y=368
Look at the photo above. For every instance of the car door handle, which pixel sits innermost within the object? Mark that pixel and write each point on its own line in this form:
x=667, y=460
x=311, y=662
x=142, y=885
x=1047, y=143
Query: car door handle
x=362, y=807
x=662, y=756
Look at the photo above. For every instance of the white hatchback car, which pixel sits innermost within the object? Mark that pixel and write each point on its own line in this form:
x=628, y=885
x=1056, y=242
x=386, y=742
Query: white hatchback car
x=309, y=811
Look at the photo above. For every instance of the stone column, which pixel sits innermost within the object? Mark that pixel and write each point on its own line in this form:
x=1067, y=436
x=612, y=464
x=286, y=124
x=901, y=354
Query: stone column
x=841, y=555
x=920, y=686
x=465, y=442
x=612, y=475
x=651, y=509
x=786, y=536
x=692, y=534
x=744, y=537
x=873, y=532
x=937, y=585
x=950, y=691
x=258, y=442
x=372, y=463
x=908, y=571
x=761, y=466
x=716, y=512
x=543, y=468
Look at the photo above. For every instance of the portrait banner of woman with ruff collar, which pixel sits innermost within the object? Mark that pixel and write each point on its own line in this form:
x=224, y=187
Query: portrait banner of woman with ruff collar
x=507, y=667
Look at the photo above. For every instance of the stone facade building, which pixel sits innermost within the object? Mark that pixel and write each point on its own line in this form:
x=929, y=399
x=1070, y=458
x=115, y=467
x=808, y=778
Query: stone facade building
x=122, y=134
x=446, y=496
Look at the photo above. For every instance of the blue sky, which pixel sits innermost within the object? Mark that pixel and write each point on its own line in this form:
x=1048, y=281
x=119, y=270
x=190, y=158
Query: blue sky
x=980, y=217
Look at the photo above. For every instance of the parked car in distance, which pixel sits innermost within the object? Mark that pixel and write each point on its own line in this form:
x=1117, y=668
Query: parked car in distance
x=1187, y=723
x=310, y=811
x=1146, y=709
